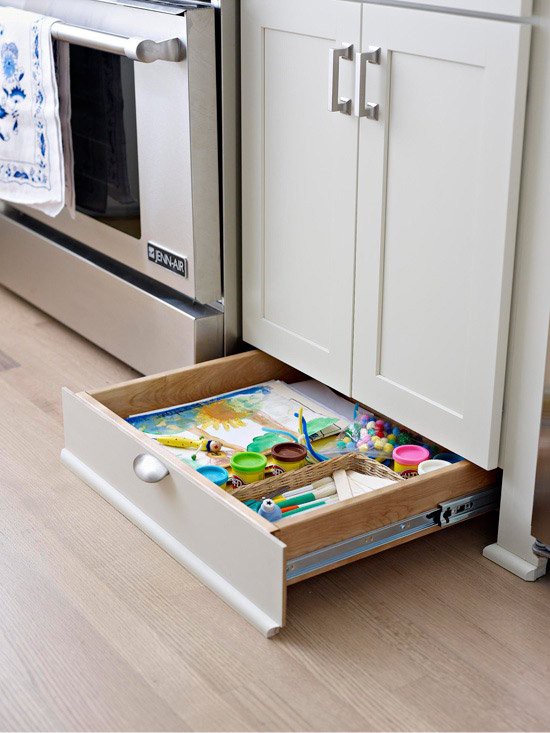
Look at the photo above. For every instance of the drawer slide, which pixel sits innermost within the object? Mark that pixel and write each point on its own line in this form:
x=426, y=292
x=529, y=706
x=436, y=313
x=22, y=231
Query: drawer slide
x=445, y=514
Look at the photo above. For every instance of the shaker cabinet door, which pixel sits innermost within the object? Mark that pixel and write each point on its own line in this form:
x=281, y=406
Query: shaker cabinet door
x=437, y=204
x=299, y=183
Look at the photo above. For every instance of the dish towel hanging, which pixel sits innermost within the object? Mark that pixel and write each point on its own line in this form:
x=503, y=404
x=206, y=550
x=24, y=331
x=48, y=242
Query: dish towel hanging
x=36, y=166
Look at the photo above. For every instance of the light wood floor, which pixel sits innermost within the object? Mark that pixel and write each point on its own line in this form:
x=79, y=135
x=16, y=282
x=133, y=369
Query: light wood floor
x=100, y=629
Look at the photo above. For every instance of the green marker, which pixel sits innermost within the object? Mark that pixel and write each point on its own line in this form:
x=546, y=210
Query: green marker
x=302, y=499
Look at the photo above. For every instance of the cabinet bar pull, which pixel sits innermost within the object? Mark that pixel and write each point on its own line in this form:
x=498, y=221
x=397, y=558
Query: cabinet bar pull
x=335, y=102
x=362, y=108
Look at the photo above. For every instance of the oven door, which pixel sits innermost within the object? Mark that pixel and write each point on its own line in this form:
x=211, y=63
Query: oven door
x=145, y=143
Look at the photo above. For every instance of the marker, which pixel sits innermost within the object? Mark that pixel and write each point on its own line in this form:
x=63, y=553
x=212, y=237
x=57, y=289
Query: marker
x=304, y=508
x=311, y=505
x=321, y=493
x=287, y=509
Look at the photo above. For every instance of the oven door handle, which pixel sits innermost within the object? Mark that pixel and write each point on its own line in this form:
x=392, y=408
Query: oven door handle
x=137, y=49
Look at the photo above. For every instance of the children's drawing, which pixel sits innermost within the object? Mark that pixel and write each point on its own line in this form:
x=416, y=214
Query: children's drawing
x=237, y=420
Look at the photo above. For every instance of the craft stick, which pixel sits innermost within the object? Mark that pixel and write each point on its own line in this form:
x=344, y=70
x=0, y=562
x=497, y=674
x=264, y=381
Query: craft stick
x=322, y=481
x=358, y=489
x=343, y=488
x=369, y=482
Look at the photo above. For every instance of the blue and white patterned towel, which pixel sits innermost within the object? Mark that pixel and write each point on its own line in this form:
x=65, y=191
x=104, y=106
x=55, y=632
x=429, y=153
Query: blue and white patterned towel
x=34, y=168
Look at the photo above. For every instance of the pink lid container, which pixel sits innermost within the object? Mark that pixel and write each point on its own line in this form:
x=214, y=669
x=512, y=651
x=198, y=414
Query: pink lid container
x=410, y=455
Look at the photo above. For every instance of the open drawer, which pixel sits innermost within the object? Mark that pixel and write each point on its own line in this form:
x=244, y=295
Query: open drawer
x=242, y=557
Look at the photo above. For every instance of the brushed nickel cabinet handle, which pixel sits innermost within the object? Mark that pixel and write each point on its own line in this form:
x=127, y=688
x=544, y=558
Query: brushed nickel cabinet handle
x=335, y=102
x=149, y=469
x=362, y=108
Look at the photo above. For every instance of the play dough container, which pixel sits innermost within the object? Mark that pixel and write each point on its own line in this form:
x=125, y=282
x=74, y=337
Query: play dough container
x=287, y=457
x=431, y=465
x=247, y=467
x=217, y=474
x=407, y=457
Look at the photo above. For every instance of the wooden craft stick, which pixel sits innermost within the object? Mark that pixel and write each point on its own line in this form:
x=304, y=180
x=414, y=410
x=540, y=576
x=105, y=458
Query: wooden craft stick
x=369, y=482
x=343, y=488
x=322, y=481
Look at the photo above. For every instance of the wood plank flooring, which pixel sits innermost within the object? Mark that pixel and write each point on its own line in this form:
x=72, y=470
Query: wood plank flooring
x=101, y=630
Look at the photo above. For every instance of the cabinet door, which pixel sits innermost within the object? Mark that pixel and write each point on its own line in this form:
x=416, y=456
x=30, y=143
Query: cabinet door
x=299, y=184
x=437, y=203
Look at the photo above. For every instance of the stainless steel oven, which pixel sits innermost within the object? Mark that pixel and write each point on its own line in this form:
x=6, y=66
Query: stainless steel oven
x=139, y=269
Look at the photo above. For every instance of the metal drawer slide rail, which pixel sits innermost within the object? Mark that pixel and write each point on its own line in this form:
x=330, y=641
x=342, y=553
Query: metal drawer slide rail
x=445, y=514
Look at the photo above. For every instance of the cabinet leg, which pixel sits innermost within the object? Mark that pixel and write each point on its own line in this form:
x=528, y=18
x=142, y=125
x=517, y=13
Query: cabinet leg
x=514, y=563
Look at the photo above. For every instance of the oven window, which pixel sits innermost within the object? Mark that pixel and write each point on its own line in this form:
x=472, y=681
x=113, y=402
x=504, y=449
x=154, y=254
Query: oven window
x=104, y=138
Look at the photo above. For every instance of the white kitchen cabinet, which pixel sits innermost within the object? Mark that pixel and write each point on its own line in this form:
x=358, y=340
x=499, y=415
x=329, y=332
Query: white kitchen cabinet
x=378, y=250
x=299, y=186
x=438, y=189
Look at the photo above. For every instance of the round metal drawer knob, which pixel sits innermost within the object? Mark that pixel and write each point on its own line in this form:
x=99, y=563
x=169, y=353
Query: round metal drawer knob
x=149, y=469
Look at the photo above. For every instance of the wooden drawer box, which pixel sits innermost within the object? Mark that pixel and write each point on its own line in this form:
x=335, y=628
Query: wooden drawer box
x=245, y=559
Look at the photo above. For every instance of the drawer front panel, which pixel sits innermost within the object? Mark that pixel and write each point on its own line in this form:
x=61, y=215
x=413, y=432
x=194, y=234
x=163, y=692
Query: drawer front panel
x=236, y=552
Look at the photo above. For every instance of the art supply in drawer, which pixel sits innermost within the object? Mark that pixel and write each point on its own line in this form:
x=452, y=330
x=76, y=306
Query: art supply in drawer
x=257, y=416
x=287, y=457
x=376, y=438
x=180, y=441
x=318, y=485
x=432, y=464
x=270, y=510
x=407, y=457
x=216, y=474
x=247, y=468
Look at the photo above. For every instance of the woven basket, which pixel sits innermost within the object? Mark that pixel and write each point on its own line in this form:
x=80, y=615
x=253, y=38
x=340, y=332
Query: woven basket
x=304, y=476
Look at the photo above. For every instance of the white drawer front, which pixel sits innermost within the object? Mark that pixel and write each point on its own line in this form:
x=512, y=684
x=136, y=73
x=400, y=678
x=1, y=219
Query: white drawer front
x=236, y=556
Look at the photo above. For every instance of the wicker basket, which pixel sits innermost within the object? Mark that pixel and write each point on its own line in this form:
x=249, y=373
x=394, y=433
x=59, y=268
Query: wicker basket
x=304, y=476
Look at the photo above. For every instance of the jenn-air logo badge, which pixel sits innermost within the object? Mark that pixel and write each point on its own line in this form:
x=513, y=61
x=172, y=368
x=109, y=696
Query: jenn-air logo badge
x=167, y=259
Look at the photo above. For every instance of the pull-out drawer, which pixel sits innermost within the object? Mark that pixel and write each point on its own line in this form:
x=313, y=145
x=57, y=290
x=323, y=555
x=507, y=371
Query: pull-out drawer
x=245, y=559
